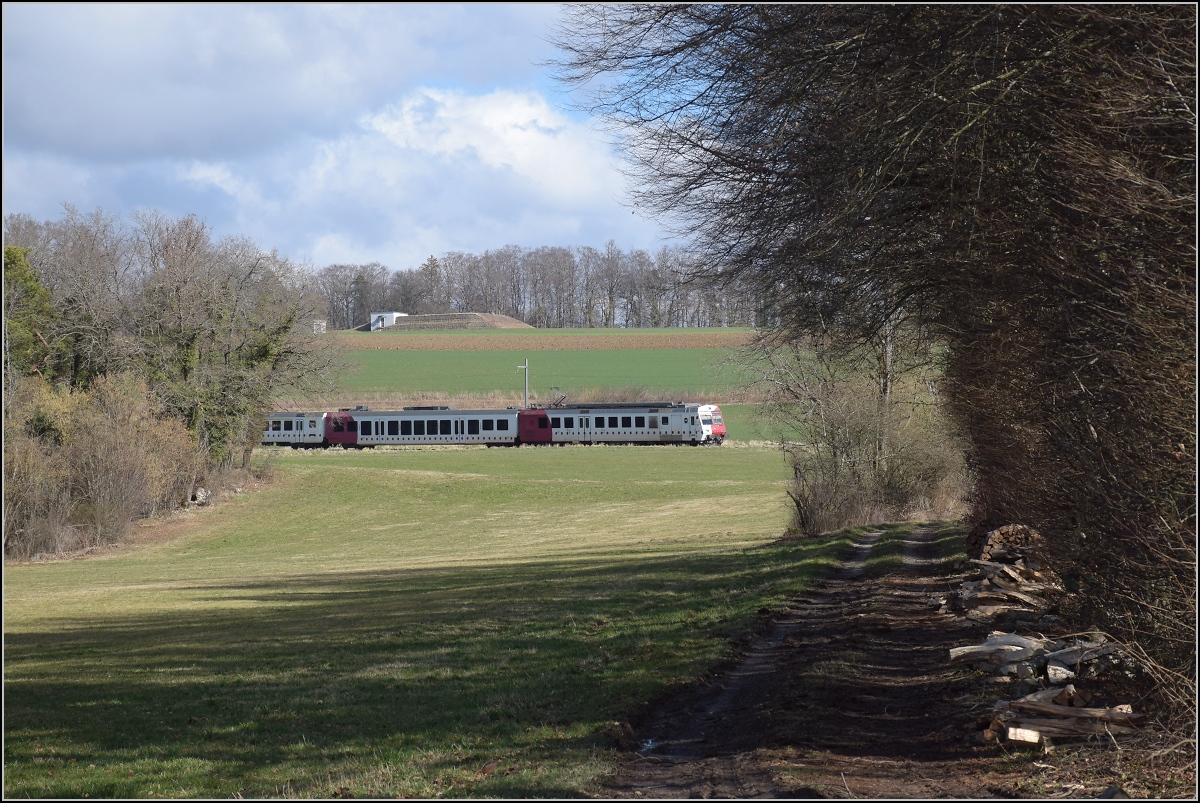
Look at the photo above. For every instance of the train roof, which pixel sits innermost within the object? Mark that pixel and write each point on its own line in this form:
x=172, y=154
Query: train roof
x=617, y=406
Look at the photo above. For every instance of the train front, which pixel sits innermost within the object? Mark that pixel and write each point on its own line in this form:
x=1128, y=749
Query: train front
x=712, y=423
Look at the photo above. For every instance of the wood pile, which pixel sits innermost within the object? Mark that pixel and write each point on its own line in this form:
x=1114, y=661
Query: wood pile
x=1030, y=657
x=981, y=543
x=1010, y=579
x=1012, y=576
x=1057, y=712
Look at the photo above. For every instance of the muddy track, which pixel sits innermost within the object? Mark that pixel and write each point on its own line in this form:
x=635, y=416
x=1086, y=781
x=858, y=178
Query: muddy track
x=848, y=693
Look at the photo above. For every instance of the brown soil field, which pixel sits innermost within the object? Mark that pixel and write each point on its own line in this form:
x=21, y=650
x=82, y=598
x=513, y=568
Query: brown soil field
x=549, y=342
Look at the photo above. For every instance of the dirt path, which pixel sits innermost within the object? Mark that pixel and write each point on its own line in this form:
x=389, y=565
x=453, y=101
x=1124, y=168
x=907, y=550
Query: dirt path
x=847, y=694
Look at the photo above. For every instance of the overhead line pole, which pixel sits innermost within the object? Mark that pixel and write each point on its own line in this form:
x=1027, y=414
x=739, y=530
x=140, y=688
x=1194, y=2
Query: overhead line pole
x=525, y=368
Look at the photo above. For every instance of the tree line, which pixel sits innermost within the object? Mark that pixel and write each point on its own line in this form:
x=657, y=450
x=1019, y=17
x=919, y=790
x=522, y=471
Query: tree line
x=555, y=287
x=141, y=355
x=1012, y=184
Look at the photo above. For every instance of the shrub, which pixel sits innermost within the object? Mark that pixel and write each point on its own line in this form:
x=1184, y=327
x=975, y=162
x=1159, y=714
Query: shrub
x=81, y=466
x=872, y=442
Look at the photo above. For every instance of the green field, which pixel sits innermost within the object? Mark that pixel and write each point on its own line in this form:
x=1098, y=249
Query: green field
x=533, y=332
x=393, y=623
x=677, y=371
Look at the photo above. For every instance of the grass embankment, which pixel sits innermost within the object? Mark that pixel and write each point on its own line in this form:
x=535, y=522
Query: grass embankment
x=453, y=622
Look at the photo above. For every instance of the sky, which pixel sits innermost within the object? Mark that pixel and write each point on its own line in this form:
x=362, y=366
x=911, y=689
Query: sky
x=333, y=133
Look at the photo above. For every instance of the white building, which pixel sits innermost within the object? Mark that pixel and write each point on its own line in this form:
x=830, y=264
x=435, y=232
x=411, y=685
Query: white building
x=381, y=319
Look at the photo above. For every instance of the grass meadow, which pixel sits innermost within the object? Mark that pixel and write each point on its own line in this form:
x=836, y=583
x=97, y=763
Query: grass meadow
x=455, y=373
x=439, y=622
x=686, y=373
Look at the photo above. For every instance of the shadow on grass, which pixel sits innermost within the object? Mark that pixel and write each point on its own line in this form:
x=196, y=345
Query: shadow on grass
x=379, y=683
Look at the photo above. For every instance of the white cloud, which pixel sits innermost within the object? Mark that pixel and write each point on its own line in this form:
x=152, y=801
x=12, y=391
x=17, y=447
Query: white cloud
x=505, y=129
x=220, y=176
x=184, y=80
x=344, y=133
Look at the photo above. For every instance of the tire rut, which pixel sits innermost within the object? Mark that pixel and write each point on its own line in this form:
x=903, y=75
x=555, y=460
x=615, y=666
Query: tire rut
x=847, y=693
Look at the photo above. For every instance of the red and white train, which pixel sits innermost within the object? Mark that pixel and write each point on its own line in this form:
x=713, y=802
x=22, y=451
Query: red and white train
x=655, y=423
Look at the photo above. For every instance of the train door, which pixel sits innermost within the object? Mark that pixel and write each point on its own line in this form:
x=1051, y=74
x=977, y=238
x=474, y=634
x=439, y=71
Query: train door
x=533, y=426
x=341, y=428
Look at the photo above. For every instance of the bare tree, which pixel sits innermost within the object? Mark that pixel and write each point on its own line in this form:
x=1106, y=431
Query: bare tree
x=1019, y=181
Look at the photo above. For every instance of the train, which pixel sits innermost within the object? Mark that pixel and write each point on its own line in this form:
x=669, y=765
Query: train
x=613, y=423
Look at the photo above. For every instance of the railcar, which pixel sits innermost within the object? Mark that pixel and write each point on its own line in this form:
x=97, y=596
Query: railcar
x=639, y=423
x=654, y=423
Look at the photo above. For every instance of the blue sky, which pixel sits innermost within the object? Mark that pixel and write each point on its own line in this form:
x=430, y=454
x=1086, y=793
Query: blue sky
x=338, y=133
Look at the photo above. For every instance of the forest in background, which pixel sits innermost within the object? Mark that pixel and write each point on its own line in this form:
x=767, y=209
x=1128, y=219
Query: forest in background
x=548, y=287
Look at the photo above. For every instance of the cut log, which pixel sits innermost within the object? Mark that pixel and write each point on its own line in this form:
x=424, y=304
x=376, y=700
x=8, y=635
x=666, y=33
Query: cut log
x=1019, y=596
x=1051, y=709
x=1069, y=695
x=1024, y=586
x=1018, y=734
x=983, y=652
x=1057, y=673
x=992, y=567
x=1055, y=726
x=1077, y=654
x=1042, y=695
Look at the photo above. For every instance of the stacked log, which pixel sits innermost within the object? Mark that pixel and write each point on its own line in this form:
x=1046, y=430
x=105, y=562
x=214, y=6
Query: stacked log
x=984, y=544
x=1057, y=712
x=1015, y=579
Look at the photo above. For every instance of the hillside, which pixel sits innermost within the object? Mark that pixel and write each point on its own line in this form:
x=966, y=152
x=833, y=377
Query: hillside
x=459, y=320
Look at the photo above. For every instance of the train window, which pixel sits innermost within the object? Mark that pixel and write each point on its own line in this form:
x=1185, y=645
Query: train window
x=664, y=421
x=446, y=426
x=488, y=425
x=275, y=425
x=379, y=428
x=418, y=427
x=543, y=423
x=599, y=422
x=640, y=421
x=626, y=421
x=612, y=422
x=365, y=428
x=502, y=423
x=393, y=427
x=406, y=427
x=569, y=422
x=653, y=422
x=556, y=423
x=338, y=425
x=431, y=427
x=473, y=426
x=287, y=426
x=312, y=423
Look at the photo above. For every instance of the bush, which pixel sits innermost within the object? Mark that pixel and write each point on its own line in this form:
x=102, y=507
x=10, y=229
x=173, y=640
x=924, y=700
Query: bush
x=872, y=442
x=861, y=465
x=81, y=466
